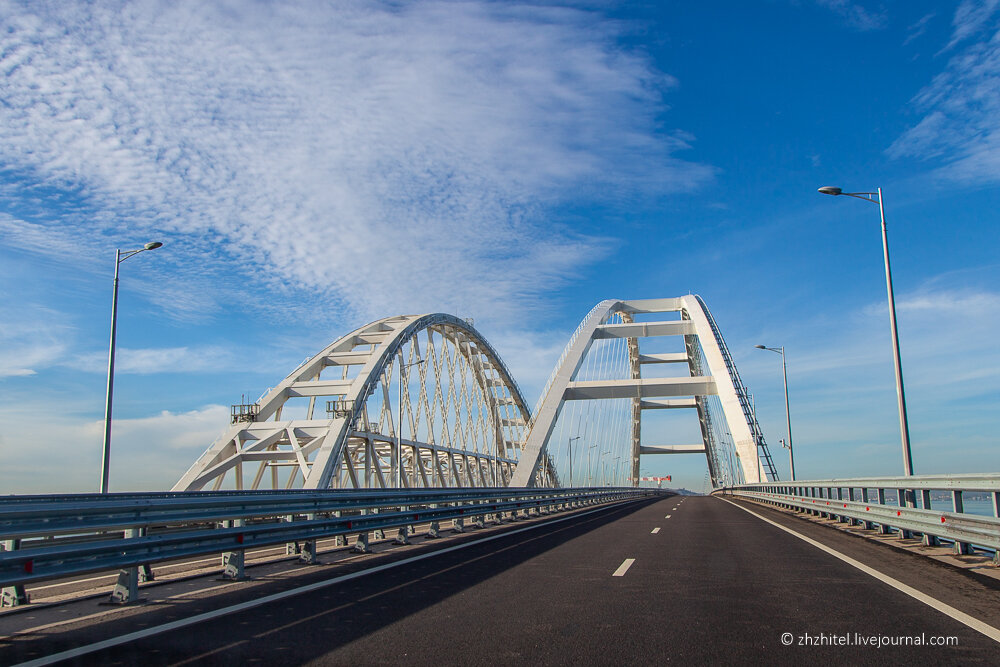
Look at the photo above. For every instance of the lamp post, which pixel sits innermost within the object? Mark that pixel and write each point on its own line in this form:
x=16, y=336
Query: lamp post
x=399, y=428
x=788, y=418
x=106, y=458
x=569, y=445
x=590, y=475
x=904, y=428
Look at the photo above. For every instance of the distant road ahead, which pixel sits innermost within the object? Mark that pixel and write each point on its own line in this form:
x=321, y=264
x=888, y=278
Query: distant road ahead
x=694, y=580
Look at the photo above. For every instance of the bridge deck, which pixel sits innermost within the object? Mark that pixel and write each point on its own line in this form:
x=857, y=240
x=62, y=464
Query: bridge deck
x=713, y=584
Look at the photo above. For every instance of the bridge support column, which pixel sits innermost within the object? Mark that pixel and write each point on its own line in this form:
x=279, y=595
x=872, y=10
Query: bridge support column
x=12, y=596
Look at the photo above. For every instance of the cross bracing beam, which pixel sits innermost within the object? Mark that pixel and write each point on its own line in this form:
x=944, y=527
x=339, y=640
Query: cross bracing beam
x=673, y=449
x=639, y=388
x=644, y=329
x=668, y=403
x=667, y=358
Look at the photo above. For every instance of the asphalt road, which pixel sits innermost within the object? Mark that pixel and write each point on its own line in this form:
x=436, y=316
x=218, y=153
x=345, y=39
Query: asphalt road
x=714, y=585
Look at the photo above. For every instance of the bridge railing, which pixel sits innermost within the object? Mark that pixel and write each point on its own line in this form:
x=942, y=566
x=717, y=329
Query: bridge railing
x=46, y=537
x=933, y=506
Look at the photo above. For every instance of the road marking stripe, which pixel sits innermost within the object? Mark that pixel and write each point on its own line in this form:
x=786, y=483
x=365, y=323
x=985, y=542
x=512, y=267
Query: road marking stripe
x=667, y=517
x=655, y=531
x=946, y=609
x=623, y=568
x=274, y=597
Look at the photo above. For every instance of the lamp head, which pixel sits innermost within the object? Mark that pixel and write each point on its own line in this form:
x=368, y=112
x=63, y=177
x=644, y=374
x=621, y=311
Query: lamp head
x=830, y=190
x=153, y=245
x=760, y=347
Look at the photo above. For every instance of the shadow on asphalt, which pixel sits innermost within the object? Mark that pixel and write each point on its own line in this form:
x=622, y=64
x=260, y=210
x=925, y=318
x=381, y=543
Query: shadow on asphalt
x=298, y=629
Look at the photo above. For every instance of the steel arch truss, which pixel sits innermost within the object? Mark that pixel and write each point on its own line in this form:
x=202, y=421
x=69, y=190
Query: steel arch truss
x=430, y=381
x=712, y=379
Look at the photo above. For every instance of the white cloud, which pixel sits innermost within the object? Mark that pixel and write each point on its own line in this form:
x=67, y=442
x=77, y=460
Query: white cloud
x=46, y=452
x=30, y=338
x=960, y=126
x=157, y=360
x=382, y=157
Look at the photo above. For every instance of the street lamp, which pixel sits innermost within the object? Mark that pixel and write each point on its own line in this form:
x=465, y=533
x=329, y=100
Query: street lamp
x=788, y=419
x=399, y=427
x=569, y=445
x=106, y=459
x=904, y=428
x=590, y=475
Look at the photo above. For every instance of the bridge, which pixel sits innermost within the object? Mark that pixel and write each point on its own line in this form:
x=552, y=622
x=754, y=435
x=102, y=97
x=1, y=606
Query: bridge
x=395, y=498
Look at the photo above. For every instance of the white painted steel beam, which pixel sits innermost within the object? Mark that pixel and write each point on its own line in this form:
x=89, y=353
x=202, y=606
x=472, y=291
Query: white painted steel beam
x=666, y=358
x=673, y=449
x=641, y=388
x=668, y=403
x=645, y=329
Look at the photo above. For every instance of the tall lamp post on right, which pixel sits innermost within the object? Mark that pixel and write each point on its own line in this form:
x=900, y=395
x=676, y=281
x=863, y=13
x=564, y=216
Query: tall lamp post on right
x=904, y=428
x=788, y=418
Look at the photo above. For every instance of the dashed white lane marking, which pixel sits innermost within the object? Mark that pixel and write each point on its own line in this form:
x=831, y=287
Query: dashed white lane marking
x=623, y=568
x=946, y=609
x=274, y=597
x=668, y=516
x=654, y=531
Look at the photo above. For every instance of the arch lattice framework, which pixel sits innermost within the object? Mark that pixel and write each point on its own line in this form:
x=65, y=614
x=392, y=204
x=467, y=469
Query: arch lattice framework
x=425, y=401
x=711, y=375
x=457, y=413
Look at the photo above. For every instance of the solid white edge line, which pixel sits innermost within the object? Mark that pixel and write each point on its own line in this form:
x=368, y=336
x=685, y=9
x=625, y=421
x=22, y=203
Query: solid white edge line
x=623, y=568
x=274, y=597
x=946, y=609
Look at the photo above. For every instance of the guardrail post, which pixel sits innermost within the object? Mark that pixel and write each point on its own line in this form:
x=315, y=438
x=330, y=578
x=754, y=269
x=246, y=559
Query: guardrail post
x=883, y=529
x=361, y=544
x=866, y=524
x=925, y=502
x=339, y=540
x=12, y=596
x=958, y=506
x=126, y=589
x=458, y=525
x=378, y=533
x=903, y=500
x=291, y=548
x=233, y=562
x=307, y=552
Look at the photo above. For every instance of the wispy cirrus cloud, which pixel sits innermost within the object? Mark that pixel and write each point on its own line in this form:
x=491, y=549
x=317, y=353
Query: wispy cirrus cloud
x=855, y=14
x=960, y=127
x=383, y=157
x=970, y=17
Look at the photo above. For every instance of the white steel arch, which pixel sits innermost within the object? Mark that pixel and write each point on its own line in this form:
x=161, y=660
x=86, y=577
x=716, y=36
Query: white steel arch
x=464, y=414
x=711, y=374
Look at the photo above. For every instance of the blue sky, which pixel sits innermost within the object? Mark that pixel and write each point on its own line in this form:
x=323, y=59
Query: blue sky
x=313, y=166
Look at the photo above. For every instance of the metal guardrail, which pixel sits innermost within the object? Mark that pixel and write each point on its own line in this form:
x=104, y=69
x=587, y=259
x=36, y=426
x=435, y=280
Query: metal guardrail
x=47, y=537
x=910, y=507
